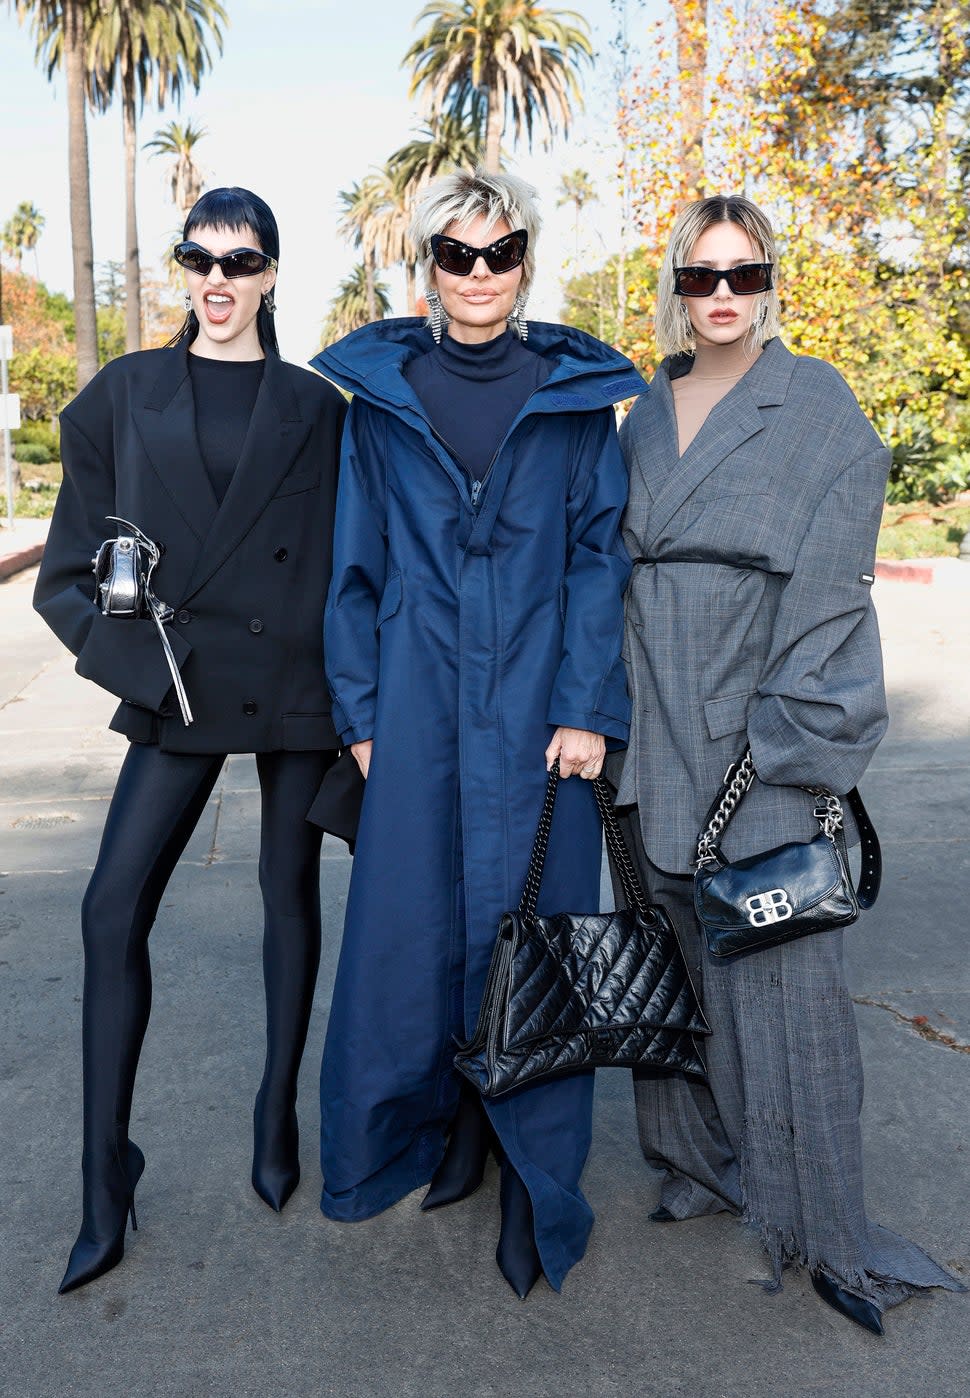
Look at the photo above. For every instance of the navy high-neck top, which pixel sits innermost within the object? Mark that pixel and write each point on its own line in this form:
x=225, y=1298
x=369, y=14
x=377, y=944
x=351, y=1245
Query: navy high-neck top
x=472, y=393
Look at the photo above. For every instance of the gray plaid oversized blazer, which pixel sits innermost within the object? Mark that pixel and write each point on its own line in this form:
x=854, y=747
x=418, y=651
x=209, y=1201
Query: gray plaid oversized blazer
x=749, y=615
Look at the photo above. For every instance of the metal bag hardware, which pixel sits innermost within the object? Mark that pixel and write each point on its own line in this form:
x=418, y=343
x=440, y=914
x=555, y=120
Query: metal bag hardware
x=123, y=570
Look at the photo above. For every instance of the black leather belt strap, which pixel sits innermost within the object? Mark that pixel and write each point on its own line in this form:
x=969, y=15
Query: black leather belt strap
x=870, y=875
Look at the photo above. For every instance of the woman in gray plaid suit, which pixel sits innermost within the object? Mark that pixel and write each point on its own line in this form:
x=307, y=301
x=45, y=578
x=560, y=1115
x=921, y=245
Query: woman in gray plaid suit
x=756, y=488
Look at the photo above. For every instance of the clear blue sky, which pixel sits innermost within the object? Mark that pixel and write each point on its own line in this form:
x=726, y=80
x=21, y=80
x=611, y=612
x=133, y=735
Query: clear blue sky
x=306, y=97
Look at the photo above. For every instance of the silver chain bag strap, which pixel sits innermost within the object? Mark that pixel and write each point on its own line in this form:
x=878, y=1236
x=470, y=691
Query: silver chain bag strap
x=123, y=569
x=785, y=892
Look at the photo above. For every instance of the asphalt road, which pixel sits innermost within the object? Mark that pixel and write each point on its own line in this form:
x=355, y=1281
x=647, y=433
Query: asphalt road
x=219, y=1296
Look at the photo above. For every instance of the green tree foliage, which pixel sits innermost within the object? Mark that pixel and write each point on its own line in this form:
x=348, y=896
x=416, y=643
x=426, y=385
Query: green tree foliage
x=349, y=309
x=499, y=63
x=22, y=231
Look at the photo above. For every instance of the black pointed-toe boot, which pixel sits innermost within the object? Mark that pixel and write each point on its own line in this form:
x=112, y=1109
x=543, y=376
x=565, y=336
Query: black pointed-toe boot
x=462, y=1168
x=109, y=1201
x=854, y=1308
x=517, y=1254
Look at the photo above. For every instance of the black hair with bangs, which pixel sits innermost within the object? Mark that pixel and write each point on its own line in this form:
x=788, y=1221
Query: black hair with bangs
x=235, y=209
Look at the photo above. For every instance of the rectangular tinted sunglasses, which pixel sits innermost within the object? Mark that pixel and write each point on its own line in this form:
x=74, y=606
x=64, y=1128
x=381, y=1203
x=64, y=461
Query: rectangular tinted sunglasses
x=244, y=262
x=746, y=280
x=459, y=258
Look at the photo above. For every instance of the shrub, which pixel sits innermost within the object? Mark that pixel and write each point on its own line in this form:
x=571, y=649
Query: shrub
x=33, y=454
x=39, y=430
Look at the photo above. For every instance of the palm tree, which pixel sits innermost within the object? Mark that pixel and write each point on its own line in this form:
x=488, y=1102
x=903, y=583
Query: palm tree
x=389, y=228
x=359, y=204
x=21, y=232
x=350, y=308
x=576, y=188
x=186, y=180
x=449, y=143
x=498, y=61
x=61, y=29
x=150, y=51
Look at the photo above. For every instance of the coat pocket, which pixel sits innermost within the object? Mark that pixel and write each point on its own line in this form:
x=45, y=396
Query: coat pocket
x=729, y=714
x=390, y=601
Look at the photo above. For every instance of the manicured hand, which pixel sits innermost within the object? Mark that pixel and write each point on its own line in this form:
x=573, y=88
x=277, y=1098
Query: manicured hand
x=579, y=752
x=362, y=752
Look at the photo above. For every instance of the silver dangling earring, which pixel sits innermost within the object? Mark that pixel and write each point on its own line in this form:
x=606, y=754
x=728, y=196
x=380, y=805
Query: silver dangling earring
x=516, y=317
x=437, y=312
x=269, y=301
x=688, y=328
x=187, y=301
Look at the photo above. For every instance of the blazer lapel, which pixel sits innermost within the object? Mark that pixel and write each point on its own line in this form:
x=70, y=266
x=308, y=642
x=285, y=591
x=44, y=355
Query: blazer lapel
x=276, y=434
x=735, y=419
x=651, y=438
x=166, y=424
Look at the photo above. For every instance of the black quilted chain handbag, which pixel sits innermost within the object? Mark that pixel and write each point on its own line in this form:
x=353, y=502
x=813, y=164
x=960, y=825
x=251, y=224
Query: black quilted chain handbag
x=786, y=892
x=583, y=990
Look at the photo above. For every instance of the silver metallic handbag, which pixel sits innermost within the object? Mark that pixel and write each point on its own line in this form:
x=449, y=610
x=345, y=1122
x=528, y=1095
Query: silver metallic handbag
x=123, y=570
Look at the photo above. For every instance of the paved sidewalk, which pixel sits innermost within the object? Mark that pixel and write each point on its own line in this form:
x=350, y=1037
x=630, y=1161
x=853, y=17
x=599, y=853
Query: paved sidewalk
x=219, y=1298
x=22, y=546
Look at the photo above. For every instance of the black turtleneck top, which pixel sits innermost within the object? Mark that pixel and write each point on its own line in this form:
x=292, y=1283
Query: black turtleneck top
x=225, y=394
x=472, y=393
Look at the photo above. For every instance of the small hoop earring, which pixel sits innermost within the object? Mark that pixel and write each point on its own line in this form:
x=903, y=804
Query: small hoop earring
x=269, y=301
x=436, y=311
x=516, y=318
x=187, y=301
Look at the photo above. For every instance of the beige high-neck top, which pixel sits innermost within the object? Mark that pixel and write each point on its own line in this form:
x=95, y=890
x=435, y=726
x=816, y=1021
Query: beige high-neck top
x=716, y=369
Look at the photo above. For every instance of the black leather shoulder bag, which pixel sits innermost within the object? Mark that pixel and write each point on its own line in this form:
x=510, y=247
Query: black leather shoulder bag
x=786, y=892
x=583, y=990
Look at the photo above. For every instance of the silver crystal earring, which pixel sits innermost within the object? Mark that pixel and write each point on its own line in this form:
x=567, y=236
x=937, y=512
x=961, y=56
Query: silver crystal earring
x=516, y=317
x=437, y=313
x=187, y=301
x=269, y=301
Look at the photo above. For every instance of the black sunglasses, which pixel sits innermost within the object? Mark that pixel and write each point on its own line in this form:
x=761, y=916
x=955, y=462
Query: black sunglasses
x=244, y=262
x=746, y=280
x=459, y=258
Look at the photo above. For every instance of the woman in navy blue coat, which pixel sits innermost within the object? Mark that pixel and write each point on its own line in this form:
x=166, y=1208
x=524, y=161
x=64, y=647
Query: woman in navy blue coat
x=472, y=635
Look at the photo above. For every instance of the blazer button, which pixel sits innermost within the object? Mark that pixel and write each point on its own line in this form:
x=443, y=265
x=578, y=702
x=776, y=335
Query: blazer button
x=255, y=626
x=281, y=555
x=183, y=617
x=250, y=707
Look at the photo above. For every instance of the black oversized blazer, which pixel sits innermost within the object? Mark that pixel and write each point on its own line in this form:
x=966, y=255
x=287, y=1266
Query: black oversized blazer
x=247, y=579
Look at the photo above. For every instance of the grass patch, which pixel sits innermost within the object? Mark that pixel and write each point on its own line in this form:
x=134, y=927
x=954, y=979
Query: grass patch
x=32, y=504
x=921, y=530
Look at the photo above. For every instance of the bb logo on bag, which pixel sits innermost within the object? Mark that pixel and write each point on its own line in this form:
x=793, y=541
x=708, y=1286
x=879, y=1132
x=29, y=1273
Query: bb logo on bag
x=765, y=908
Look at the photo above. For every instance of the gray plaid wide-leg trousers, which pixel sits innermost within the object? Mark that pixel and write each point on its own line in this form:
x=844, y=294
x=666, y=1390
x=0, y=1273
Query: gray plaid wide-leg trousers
x=776, y=1135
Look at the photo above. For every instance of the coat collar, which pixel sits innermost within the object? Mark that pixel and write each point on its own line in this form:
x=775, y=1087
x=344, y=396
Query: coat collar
x=276, y=433
x=732, y=421
x=586, y=375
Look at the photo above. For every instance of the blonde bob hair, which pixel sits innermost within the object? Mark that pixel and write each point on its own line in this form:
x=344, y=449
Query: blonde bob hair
x=464, y=196
x=675, y=334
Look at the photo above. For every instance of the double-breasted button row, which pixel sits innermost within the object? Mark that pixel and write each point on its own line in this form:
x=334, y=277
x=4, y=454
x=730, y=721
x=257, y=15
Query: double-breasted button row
x=250, y=707
x=281, y=555
x=255, y=626
x=183, y=616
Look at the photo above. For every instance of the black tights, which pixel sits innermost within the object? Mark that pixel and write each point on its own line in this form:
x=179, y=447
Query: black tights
x=157, y=803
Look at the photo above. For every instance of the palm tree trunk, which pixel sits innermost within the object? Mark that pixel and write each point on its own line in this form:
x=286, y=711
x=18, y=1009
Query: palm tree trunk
x=690, y=17
x=369, y=284
x=411, y=284
x=493, y=133
x=132, y=267
x=79, y=175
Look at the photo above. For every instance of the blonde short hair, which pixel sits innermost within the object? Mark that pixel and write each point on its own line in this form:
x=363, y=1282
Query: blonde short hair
x=675, y=334
x=466, y=195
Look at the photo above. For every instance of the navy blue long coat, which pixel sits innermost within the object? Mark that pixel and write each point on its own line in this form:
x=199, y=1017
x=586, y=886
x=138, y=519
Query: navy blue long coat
x=458, y=636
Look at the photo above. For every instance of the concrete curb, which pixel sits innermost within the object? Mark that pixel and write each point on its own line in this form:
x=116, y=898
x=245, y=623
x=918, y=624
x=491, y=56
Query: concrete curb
x=951, y=571
x=13, y=563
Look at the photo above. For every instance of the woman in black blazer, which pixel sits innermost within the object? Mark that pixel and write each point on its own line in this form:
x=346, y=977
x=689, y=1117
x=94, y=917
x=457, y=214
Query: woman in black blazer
x=225, y=456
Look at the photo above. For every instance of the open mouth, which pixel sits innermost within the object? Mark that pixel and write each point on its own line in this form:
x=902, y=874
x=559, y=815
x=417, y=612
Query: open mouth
x=218, y=306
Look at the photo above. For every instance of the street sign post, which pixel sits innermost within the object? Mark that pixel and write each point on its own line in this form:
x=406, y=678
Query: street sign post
x=6, y=350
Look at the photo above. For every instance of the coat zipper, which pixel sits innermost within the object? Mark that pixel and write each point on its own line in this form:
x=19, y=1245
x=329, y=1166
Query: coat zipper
x=477, y=486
